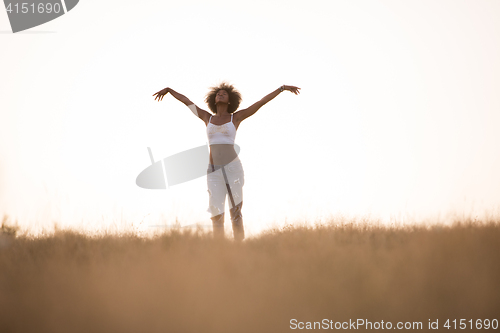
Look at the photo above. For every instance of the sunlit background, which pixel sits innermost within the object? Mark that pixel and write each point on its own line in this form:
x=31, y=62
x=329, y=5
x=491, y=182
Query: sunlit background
x=398, y=116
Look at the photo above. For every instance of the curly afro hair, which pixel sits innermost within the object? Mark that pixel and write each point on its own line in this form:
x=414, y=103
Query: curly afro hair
x=234, y=97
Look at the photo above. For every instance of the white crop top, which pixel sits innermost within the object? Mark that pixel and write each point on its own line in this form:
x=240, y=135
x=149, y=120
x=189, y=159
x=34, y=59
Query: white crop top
x=221, y=134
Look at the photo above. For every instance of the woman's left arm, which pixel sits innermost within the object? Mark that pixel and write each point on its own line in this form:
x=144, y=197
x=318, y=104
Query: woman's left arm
x=243, y=114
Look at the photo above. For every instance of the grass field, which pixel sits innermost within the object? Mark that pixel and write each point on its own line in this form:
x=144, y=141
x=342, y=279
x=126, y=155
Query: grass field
x=184, y=281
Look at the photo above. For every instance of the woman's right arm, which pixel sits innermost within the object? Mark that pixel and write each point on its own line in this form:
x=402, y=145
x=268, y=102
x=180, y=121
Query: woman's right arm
x=200, y=113
x=178, y=96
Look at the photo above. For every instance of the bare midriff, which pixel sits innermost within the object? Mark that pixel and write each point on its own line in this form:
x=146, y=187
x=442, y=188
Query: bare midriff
x=222, y=154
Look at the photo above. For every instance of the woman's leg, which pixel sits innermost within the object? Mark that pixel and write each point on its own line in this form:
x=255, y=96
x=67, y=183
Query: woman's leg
x=218, y=226
x=216, y=200
x=235, y=178
x=237, y=221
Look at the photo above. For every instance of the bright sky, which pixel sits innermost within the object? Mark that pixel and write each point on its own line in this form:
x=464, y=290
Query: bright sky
x=398, y=114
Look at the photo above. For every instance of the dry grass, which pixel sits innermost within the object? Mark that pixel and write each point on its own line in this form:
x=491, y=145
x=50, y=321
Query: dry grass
x=187, y=282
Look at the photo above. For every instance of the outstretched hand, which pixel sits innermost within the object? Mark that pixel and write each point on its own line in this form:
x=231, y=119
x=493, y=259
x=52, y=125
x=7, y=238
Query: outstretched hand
x=160, y=94
x=293, y=89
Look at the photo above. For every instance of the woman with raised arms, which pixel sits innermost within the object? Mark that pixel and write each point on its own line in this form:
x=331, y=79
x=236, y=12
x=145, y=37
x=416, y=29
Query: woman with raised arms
x=225, y=172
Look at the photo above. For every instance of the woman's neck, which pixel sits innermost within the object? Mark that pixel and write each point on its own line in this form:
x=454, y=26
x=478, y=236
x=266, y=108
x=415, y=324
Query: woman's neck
x=222, y=110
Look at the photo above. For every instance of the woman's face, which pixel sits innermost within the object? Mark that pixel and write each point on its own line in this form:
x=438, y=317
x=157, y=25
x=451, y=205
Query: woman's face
x=222, y=96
